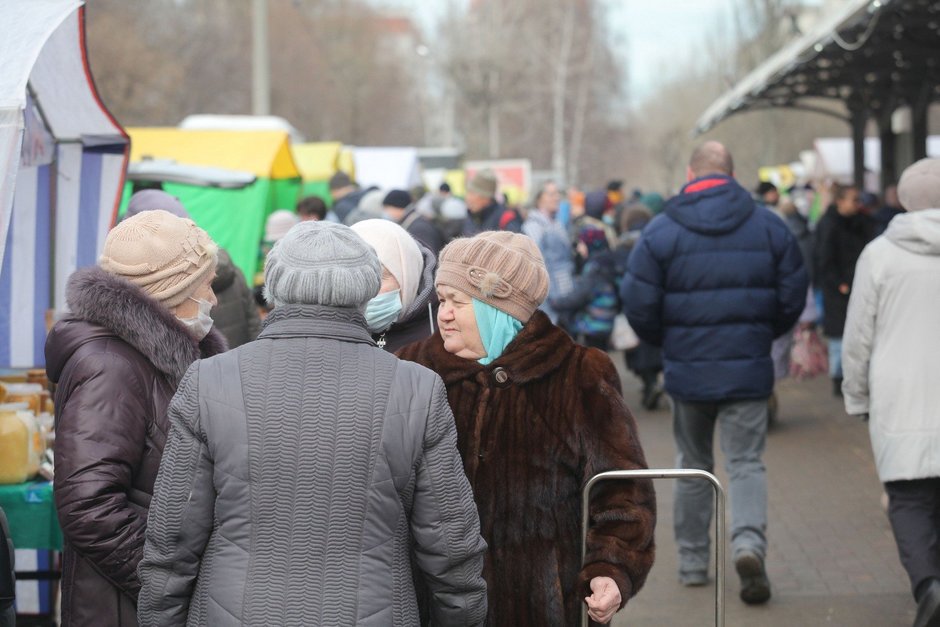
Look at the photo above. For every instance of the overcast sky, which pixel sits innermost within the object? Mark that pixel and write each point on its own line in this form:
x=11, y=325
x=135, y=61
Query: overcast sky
x=661, y=34
x=654, y=34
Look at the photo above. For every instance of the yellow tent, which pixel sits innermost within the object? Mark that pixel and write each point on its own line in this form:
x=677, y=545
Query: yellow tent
x=234, y=218
x=266, y=154
x=319, y=161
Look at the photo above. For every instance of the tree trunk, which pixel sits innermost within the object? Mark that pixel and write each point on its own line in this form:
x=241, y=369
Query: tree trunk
x=560, y=91
x=580, y=114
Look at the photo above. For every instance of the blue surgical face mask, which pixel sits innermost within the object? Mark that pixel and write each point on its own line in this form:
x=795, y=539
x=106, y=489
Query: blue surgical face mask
x=202, y=323
x=383, y=310
x=607, y=219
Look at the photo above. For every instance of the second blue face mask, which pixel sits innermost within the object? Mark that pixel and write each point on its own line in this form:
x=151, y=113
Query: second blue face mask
x=383, y=310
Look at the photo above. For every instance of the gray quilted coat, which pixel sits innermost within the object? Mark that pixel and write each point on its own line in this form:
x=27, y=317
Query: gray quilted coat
x=303, y=474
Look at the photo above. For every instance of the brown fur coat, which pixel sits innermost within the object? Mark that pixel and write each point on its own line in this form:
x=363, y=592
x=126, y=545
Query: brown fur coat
x=532, y=428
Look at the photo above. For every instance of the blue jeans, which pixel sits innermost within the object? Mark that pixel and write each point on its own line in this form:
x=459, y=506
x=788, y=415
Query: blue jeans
x=835, y=357
x=743, y=436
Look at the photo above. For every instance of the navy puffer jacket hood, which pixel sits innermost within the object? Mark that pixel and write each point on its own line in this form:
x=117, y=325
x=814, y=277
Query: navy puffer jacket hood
x=714, y=210
x=713, y=280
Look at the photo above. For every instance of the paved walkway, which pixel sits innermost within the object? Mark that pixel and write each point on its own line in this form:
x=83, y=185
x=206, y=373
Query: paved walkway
x=831, y=560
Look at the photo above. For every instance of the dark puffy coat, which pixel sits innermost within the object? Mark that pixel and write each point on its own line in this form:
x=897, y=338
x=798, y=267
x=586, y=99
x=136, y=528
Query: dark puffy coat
x=348, y=203
x=236, y=314
x=423, y=231
x=532, y=428
x=287, y=501
x=840, y=241
x=494, y=217
x=646, y=357
x=419, y=321
x=7, y=576
x=799, y=226
x=591, y=306
x=116, y=362
x=713, y=280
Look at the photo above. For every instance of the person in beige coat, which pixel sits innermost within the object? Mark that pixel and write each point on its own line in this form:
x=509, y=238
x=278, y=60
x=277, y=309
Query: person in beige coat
x=891, y=364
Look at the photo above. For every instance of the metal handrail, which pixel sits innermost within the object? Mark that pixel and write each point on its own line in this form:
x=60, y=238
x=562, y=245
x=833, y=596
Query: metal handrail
x=675, y=473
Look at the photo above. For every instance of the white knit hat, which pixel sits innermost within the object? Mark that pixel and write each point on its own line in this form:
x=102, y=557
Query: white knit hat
x=279, y=223
x=321, y=263
x=398, y=252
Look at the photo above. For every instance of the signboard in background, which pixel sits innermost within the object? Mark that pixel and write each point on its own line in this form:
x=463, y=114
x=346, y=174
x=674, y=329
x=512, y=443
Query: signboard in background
x=514, y=175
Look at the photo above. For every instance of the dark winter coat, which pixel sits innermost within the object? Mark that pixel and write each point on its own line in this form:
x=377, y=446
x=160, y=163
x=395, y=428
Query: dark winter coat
x=349, y=203
x=591, y=306
x=418, y=321
x=302, y=471
x=840, y=241
x=646, y=357
x=423, y=231
x=236, y=314
x=7, y=576
x=494, y=217
x=532, y=428
x=714, y=280
x=116, y=361
x=799, y=226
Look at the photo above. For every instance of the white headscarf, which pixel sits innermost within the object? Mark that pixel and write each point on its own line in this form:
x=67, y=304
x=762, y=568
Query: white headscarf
x=398, y=252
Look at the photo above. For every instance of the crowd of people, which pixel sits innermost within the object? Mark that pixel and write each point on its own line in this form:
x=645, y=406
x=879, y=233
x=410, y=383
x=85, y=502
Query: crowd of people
x=395, y=428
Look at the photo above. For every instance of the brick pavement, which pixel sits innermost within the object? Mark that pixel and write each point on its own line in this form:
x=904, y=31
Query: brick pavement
x=831, y=559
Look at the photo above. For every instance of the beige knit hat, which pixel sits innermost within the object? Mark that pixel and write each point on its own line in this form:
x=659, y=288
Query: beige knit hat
x=919, y=187
x=502, y=269
x=165, y=256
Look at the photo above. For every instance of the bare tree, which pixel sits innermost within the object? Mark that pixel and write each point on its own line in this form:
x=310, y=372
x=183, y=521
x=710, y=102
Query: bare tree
x=334, y=73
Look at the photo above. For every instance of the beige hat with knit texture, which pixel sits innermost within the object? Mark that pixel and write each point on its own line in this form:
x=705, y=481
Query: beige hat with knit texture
x=919, y=187
x=165, y=256
x=502, y=269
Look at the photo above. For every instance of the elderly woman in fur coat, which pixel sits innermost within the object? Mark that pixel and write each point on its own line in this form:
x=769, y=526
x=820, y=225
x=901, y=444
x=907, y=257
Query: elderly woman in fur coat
x=537, y=416
x=138, y=321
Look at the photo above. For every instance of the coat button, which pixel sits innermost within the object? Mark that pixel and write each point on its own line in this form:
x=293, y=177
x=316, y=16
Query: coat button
x=501, y=375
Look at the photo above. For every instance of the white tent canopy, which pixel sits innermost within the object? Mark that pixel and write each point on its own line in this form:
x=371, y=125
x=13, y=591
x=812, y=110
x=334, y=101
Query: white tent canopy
x=834, y=158
x=220, y=122
x=62, y=158
x=387, y=168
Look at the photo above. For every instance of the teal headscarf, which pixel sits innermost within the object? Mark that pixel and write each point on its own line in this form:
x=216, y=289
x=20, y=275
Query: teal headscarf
x=497, y=329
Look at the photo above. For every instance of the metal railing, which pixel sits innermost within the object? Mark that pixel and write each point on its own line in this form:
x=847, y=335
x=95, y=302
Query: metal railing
x=676, y=473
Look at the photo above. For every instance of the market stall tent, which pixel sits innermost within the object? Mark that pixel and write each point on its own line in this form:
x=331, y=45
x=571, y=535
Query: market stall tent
x=224, y=122
x=835, y=159
x=387, y=168
x=62, y=161
x=234, y=218
x=318, y=161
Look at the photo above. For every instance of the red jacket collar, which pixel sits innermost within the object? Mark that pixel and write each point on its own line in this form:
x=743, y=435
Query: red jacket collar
x=703, y=184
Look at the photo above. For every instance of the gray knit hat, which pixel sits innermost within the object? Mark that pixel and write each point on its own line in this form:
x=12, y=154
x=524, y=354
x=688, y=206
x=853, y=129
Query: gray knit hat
x=150, y=199
x=321, y=263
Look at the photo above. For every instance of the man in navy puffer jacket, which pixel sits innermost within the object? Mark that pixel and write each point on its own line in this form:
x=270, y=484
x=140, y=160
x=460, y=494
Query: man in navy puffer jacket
x=714, y=280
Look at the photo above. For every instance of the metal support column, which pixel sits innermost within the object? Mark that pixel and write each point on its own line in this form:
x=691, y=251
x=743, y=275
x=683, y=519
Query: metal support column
x=859, y=120
x=919, y=110
x=889, y=170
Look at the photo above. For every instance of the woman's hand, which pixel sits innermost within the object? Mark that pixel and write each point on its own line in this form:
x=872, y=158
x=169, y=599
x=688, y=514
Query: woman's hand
x=604, y=603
